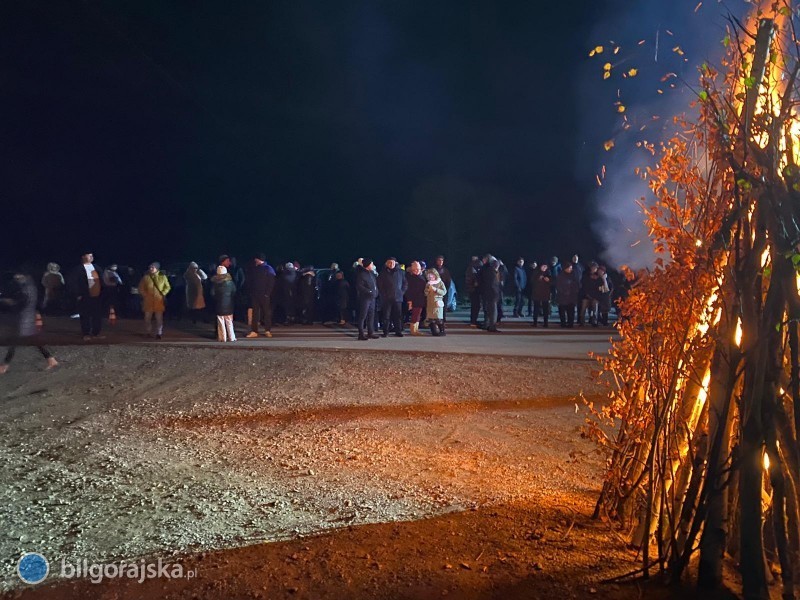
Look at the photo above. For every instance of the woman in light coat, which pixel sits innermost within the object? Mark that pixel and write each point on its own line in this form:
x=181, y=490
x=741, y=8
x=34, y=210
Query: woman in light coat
x=435, y=291
x=53, y=284
x=153, y=288
x=194, y=278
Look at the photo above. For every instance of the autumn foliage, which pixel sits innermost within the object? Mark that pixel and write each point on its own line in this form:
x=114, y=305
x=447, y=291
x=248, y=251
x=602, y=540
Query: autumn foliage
x=701, y=425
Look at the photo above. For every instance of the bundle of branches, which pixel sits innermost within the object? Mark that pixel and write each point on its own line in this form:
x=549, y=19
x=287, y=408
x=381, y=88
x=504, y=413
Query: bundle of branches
x=702, y=424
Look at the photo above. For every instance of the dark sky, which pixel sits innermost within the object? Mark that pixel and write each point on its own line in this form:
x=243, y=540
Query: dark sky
x=313, y=130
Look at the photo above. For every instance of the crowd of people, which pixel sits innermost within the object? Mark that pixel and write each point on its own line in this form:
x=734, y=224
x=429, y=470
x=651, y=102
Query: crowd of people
x=374, y=299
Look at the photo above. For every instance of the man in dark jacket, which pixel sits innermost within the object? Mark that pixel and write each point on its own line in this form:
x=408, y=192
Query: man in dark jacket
x=472, y=285
x=286, y=293
x=306, y=295
x=540, y=292
x=366, y=292
x=520, y=283
x=567, y=294
x=260, y=279
x=85, y=284
x=490, y=291
x=502, y=274
x=392, y=286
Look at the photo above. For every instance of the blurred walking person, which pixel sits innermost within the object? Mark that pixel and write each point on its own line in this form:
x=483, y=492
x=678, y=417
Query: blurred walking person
x=22, y=303
x=223, y=291
x=153, y=289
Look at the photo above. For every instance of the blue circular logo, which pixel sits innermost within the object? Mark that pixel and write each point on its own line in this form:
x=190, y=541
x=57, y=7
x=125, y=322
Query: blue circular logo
x=32, y=567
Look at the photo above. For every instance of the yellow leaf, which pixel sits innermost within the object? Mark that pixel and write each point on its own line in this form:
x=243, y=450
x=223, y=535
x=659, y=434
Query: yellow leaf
x=677, y=50
x=607, y=74
x=607, y=67
x=632, y=72
x=592, y=52
x=598, y=49
x=608, y=145
x=616, y=49
x=620, y=109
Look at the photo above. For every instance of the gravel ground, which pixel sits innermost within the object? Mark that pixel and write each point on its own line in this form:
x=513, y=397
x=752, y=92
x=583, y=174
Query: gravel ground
x=129, y=451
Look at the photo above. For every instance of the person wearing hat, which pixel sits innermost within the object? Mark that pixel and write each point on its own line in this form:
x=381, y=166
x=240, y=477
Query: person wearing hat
x=153, y=289
x=286, y=293
x=260, y=283
x=224, y=291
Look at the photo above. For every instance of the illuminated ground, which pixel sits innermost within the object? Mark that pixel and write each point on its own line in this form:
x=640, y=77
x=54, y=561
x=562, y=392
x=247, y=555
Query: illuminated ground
x=140, y=450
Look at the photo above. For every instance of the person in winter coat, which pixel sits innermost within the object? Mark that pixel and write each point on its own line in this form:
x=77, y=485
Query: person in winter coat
x=286, y=293
x=194, y=278
x=53, y=284
x=85, y=284
x=520, y=283
x=260, y=279
x=415, y=295
x=223, y=290
x=604, y=300
x=366, y=292
x=590, y=286
x=490, y=291
x=22, y=302
x=541, y=294
x=392, y=286
x=435, y=291
x=447, y=279
x=502, y=274
x=567, y=294
x=472, y=285
x=153, y=288
x=342, y=298
x=306, y=295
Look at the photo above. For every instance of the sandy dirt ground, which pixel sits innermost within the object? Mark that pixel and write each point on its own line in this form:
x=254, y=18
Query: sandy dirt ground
x=301, y=473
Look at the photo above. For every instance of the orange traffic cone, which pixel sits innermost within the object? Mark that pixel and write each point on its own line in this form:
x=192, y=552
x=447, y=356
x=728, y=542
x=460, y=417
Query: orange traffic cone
x=112, y=316
x=39, y=323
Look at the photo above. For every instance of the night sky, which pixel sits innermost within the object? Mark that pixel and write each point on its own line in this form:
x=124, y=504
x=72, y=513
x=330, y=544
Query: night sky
x=318, y=131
